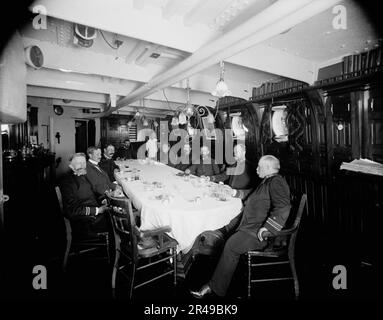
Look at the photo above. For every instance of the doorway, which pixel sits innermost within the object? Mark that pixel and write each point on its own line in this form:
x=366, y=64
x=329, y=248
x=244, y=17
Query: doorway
x=85, y=135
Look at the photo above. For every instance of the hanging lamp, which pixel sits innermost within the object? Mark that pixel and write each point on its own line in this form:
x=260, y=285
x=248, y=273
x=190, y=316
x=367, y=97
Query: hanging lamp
x=221, y=88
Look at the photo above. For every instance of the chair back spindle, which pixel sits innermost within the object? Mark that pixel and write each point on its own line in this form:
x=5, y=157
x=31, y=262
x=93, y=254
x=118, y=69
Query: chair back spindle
x=123, y=223
x=284, y=254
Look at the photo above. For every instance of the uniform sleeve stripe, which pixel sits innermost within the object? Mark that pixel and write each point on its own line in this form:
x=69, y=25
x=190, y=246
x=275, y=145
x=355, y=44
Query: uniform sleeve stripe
x=274, y=224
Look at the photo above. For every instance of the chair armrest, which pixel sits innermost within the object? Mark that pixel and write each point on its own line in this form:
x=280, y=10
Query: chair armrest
x=155, y=232
x=285, y=232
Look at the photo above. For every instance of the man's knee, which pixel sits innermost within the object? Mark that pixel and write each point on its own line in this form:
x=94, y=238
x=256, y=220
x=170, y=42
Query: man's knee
x=208, y=243
x=231, y=247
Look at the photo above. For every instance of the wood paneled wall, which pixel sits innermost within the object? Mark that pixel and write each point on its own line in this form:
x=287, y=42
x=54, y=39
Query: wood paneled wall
x=341, y=122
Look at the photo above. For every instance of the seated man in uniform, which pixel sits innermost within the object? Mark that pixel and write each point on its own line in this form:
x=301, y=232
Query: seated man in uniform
x=238, y=175
x=81, y=206
x=124, y=152
x=206, y=167
x=96, y=176
x=265, y=213
x=107, y=163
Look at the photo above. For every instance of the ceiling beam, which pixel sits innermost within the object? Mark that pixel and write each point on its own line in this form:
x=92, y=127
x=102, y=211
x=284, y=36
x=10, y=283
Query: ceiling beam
x=147, y=110
x=272, y=21
x=195, y=13
x=36, y=101
x=55, y=93
x=219, y=8
x=170, y=9
x=120, y=17
x=135, y=53
x=78, y=82
x=271, y=60
x=95, y=88
x=97, y=72
x=89, y=62
x=79, y=104
x=142, y=60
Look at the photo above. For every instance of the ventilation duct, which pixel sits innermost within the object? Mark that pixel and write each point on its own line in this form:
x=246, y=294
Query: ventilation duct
x=84, y=35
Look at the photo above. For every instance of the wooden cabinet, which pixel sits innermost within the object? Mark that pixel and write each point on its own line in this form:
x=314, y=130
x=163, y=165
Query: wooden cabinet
x=354, y=113
x=330, y=124
x=373, y=122
x=341, y=110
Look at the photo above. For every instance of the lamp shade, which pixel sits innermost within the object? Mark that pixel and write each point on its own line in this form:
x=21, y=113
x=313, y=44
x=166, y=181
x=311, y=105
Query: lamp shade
x=174, y=121
x=190, y=130
x=189, y=110
x=182, y=118
x=221, y=89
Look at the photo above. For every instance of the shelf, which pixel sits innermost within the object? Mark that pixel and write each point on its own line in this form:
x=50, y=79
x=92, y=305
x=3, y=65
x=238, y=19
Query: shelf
x=345, y=80
x=281, y=93
x=350, y=78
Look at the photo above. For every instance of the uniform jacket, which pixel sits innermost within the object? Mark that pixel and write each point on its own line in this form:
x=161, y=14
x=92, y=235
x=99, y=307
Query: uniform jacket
x=124, y=153
x=204, y=168
x=266, y=206
x=99, y=179
x=108, y=165
x=78, y=196
x=238, y=176
x=80, y=203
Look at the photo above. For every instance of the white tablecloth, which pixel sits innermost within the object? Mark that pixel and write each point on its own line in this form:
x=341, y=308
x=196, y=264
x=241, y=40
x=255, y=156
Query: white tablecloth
x=190, y=210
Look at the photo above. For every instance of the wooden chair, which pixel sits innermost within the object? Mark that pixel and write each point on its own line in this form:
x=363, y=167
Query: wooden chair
x=78, y=246
x=283, y=253
x=138, y=250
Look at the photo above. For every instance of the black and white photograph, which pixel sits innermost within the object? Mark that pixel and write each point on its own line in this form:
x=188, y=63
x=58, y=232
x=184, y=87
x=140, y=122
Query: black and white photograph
x=191, y=157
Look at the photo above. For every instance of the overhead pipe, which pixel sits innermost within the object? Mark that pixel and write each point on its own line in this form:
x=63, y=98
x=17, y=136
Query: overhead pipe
x=269, y=22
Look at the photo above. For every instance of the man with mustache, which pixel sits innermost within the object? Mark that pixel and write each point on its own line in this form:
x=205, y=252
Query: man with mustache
x=81, y=207
x=107, y=163
x=125, y=152
x=98, y=177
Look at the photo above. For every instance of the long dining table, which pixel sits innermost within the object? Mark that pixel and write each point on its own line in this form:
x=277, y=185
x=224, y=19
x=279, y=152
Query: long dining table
x=165, y=197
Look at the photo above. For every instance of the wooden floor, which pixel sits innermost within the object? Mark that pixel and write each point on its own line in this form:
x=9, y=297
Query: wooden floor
x=90, y=280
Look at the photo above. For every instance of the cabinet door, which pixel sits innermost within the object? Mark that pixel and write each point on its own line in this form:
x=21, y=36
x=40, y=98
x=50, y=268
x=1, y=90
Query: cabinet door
x=341, y=109
x=373, y=124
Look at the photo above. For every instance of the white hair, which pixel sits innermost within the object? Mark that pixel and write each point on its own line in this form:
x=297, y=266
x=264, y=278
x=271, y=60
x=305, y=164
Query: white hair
x=272, y=161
